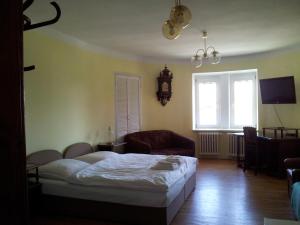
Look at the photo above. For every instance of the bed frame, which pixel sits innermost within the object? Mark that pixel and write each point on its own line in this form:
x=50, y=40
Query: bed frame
x=105, y=210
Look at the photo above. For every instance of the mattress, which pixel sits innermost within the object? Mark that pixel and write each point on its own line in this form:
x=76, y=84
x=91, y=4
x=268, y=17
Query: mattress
x=116, y=194
x=155, y=173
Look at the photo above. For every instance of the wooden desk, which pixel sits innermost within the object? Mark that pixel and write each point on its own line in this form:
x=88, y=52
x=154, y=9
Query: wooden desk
x=275, y=151
x=282, y=130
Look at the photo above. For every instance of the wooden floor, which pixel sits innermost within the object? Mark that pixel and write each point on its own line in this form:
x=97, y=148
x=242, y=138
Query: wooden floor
x=224, y=195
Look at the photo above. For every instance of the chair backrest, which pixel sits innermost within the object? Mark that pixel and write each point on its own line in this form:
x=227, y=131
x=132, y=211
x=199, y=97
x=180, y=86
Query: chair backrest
x=43, y=157
x=77, y=149
x=250, y=135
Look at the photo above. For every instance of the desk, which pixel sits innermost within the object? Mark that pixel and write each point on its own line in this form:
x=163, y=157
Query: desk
x=275, y=151
x=281, y=130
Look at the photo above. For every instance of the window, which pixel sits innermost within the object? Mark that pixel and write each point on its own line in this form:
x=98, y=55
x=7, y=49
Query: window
x=225, y=100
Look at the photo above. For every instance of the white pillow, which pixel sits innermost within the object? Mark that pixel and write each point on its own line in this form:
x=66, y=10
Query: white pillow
x=96, y=156
x=61, y=169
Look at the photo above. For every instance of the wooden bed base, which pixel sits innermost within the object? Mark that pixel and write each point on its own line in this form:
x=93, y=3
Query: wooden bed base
x=107, y=211
x=140, y=215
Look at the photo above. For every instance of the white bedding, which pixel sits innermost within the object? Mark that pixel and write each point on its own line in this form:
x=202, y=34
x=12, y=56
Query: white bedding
x=133, y=171
x=119, y=194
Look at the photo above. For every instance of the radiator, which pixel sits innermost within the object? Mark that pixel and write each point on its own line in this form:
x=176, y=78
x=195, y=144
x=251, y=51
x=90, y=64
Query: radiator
x=233, y=142
x=209, y=143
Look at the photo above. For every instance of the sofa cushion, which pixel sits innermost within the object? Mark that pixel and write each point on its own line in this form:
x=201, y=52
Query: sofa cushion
x=159, y=142
x=163, y=140
x=157, y=139
x=173, y=151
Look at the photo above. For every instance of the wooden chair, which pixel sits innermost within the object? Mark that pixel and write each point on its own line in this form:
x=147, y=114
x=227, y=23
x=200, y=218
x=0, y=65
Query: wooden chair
x=251, y=149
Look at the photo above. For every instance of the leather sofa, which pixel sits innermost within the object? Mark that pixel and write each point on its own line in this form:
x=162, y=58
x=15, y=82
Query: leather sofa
x=159, y=142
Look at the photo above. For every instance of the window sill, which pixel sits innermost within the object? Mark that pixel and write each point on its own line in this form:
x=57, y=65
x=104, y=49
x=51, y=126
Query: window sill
x=218, y=130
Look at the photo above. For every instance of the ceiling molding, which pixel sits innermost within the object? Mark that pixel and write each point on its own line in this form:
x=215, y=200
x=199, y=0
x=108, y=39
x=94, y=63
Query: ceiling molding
x=156, y=60
x=261, y=55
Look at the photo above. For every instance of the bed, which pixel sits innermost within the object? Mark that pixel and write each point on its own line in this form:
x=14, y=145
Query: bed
x=126, y=203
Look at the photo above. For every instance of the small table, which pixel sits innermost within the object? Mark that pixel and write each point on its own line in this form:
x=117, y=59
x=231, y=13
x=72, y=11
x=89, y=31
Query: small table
x=110, y=146
x=239, y=137
x=32, y=170
x=34, y=188
x=268, y=221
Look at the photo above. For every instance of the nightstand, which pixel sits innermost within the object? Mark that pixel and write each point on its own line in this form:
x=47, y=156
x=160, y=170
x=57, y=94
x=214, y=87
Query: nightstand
x=34, y=188
x=115, y=147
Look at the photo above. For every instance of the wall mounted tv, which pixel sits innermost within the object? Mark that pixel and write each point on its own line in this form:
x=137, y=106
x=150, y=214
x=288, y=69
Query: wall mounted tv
x=279, y=90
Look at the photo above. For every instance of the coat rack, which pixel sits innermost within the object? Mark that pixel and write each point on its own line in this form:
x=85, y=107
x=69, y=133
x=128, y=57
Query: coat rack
x=29, y=26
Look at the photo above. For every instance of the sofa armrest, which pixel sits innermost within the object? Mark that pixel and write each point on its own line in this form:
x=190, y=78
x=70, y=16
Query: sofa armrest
x=183, y=142
x=292, y=163
x=137, y=146
x=295, y=175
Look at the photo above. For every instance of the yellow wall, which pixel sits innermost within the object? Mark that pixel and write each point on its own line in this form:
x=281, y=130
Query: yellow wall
x=69, y=97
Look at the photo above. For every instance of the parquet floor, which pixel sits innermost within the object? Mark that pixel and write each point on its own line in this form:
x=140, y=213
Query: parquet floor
x=224, y=195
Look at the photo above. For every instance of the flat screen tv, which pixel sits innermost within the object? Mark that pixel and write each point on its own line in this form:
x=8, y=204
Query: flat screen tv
x=279, y=90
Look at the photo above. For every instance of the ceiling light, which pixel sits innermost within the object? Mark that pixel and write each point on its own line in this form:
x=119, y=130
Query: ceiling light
x=180, y=17
x=171, y=30
x=208, y=54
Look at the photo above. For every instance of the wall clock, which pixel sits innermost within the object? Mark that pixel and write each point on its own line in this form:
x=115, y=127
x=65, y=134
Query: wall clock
x=164, y=80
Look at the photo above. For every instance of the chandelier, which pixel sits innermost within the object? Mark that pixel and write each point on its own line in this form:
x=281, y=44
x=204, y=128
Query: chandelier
x=180, y=17
x=206, y=54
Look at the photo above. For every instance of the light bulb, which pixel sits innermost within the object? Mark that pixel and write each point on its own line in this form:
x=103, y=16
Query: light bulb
x=215, y=58
x=196, y=61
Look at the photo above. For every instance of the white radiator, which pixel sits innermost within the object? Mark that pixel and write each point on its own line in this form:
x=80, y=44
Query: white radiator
x=233, y=145
x=209, y=143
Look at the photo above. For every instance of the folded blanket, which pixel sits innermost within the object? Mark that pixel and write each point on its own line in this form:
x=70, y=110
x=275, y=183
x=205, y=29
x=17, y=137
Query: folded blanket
x=170, y=163
x=175, y=159
x=164, y=165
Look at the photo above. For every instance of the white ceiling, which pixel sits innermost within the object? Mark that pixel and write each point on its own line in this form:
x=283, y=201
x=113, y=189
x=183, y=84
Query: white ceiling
x=235, y=27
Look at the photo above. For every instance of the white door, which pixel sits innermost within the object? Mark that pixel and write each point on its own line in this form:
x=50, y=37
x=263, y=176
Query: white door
x=127, y=100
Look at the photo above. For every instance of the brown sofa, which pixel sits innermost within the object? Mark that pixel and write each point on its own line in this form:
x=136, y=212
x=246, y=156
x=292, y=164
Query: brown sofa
x=159, y=142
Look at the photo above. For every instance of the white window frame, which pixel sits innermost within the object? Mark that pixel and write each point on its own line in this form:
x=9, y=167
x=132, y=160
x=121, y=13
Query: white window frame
x=225, y=96
x=217, y=80
x=239, y=77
